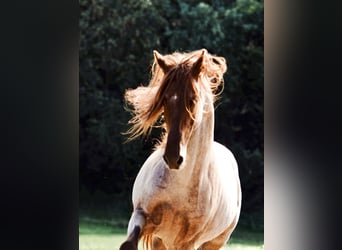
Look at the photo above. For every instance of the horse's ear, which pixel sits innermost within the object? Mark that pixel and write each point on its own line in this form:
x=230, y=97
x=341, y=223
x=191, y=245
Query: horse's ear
x=196, y=68
x=161, y=61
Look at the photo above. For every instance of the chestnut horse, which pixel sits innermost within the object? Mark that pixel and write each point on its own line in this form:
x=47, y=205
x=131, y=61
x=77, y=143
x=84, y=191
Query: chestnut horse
x=187, y=194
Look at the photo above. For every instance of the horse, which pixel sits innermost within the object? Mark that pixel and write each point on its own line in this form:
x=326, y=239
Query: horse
x=187, y=194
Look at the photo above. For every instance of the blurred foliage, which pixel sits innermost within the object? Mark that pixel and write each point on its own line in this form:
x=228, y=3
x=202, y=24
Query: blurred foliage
x=117, y=38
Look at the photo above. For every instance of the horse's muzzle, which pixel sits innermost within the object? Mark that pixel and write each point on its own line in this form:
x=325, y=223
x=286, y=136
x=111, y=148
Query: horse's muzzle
x=173, y=163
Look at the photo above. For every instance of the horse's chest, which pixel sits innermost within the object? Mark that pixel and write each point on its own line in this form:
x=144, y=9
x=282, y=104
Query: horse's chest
x=172, y=221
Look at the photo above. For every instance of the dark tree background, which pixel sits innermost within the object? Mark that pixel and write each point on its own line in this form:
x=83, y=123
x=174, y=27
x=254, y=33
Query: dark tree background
x=116, y=43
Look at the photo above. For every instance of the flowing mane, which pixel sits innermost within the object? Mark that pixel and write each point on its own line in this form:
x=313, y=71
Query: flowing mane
x=147, y=101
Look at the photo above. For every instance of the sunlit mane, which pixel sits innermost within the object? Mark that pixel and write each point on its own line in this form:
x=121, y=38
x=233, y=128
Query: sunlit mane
x=147, y=101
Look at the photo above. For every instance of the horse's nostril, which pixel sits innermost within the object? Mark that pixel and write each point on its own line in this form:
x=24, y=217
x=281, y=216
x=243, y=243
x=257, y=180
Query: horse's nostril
x=180, y=160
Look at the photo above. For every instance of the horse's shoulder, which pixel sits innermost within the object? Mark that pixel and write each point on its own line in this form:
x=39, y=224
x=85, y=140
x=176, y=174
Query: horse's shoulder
x=224, y=156
x=221, y=149
x=152, y=178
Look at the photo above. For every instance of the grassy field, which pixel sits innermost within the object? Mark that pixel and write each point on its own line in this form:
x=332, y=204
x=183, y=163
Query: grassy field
x=106, y=235
x=106, y=242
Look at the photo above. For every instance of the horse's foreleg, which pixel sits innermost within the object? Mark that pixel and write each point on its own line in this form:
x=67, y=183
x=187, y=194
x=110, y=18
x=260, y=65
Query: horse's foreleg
x=135, y=226
x=132, y=241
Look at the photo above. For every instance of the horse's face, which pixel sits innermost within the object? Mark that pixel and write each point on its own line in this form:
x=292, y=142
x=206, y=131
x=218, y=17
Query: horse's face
x=177, y=110
x=179, y=99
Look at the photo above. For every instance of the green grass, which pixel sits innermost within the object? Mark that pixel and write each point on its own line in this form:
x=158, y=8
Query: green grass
x=95, y=234
x=106, y=242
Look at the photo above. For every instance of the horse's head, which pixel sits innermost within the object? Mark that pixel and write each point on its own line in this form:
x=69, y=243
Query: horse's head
x=179, y=96
x=182, y=87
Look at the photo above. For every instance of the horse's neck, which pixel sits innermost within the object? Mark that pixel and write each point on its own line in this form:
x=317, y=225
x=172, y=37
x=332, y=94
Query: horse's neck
x=202, y=136
x=199, y=148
